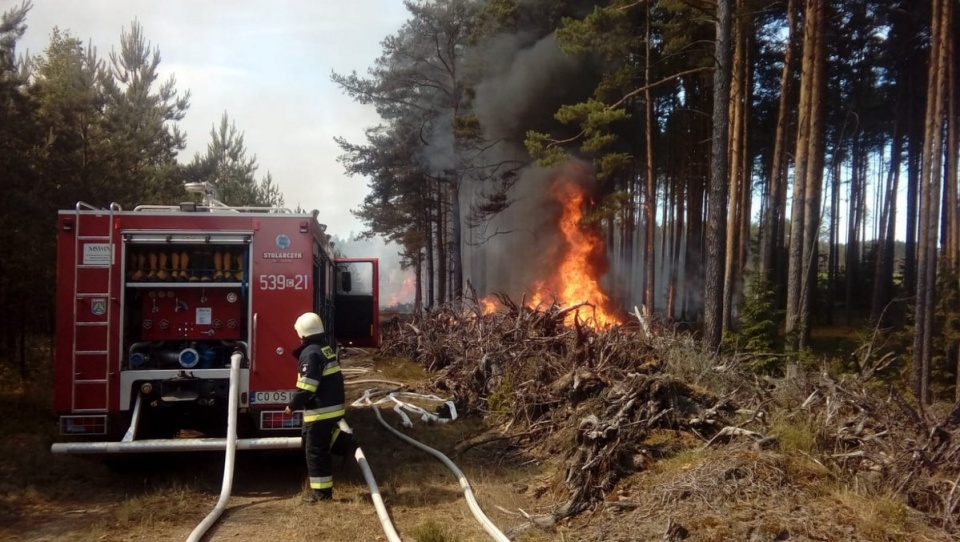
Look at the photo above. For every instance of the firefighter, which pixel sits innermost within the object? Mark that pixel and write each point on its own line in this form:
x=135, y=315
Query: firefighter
x=320, y=394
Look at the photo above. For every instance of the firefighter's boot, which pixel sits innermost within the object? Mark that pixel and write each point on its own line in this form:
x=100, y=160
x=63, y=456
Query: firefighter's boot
x=152, y=275
x=174, y=265
x=239, y=273
x=218, y=265
x=182, y=275
x=191, y=271
x=205, y=266
x=227, y=265
x=138, y=271
x=317, y=495
x=162, y=272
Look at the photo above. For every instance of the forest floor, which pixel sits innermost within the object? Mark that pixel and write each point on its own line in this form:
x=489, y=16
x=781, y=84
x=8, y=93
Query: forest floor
x=686, y=491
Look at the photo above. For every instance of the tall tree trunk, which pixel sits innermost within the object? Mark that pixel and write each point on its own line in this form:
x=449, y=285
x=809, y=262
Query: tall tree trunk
x=442, y=248
x=418, y=283
x=929, y=201
x=676, y=251
x=814, y=172
x=746, y=194
x=833, y=254
x=717, y=203
x=795, y=268
x=650, y=194
x=883, y=268
x=854, y=223
x=456, y=243
x=429, y=211
x=953, y=157
x=736, y=179
x=952, y=205
x=914, y=154
x=772, y=231
x=693, y=282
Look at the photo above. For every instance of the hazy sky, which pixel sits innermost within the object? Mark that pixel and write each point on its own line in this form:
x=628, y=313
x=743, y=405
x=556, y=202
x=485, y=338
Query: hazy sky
x=267, y=64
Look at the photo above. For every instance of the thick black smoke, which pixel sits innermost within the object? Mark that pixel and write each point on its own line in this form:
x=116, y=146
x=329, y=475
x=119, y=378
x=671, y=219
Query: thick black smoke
x=524, y=81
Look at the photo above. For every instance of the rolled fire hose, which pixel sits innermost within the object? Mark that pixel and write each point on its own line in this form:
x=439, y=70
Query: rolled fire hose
x=231, y=453
x=484, y=521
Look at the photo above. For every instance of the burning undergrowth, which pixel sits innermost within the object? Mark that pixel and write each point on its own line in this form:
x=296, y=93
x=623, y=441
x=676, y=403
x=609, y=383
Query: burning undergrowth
x=564, y=261
x=599, y=398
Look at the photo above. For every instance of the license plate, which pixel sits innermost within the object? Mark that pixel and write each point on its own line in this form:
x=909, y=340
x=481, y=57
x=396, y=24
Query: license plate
x=274, y=397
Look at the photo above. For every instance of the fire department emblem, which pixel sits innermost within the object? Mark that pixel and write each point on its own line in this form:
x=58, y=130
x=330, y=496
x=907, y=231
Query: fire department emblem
x=98, y=306
x=283, y=241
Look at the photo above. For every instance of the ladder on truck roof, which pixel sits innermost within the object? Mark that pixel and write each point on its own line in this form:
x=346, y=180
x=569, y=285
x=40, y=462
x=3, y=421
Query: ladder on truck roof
x=94, y=259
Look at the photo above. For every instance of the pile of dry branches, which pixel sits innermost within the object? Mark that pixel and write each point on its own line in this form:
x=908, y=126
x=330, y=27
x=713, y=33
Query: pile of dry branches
x=599, y=393
x=541, y=377
x=875, y=435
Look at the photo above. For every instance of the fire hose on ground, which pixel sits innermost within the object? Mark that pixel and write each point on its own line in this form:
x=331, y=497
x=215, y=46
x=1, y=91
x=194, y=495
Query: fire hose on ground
x=365, y=400
x=231, y=453
x=382, y=514
x=472, y=504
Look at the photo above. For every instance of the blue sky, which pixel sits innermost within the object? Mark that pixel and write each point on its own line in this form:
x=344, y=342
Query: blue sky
x=267, y=64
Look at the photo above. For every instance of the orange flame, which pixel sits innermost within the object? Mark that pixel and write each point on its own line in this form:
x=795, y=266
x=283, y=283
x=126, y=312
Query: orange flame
x=487, y=306
x=577, y=278
x=406, y=292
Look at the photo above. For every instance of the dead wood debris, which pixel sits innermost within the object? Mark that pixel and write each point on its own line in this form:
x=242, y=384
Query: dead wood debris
x=604, y=391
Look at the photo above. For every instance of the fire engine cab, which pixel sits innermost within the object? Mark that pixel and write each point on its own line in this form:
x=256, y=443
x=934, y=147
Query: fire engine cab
x=156, y=304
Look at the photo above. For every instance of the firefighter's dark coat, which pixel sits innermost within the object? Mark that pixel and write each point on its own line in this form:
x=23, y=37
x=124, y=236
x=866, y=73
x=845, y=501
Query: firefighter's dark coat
x=320, y=394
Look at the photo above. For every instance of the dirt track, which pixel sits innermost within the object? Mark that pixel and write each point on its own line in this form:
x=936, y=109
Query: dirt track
x=164, y=496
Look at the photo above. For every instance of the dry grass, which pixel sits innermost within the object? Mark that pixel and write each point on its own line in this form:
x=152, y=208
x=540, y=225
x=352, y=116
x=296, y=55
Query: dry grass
x=729, y=492
x=164, y=496
x=795, y=434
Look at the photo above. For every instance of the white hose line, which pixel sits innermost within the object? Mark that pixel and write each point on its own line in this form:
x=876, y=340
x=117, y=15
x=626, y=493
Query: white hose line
x=485, y=522
x=228, y=463
x=373, y=381
x=382, y=514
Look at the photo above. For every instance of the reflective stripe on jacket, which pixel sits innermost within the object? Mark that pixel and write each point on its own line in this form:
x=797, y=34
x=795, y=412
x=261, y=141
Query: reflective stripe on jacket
x=319, y=381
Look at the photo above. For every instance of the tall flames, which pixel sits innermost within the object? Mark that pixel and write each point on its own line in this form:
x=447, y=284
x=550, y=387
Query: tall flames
x=582, y=261
x=405, y=293
x=572, y=278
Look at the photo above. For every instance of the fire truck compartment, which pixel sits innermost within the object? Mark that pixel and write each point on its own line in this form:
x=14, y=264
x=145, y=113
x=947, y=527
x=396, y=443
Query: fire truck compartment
x=153, y=302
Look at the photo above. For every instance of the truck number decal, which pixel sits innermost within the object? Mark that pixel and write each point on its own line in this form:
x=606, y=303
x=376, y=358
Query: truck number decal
x=285, y=282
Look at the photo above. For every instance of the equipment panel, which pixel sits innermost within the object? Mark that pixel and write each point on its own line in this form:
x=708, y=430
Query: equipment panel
x=172, y=313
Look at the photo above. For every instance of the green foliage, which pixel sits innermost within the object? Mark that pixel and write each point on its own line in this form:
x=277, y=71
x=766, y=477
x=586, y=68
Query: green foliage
x=946, y=339
x=611, y=163
x=140, y=118
x=544, y=150
x=607, y=31
x=75, y=127
x=26, y=243
x=946, y=332
x=227, y=167
x=758, y=330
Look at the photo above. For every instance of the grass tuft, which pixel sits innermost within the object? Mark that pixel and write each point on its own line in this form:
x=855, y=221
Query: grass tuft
x=432, y=531
x=795, y=435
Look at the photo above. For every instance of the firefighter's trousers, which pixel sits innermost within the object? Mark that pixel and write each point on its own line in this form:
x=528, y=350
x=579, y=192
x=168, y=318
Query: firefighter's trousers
x=320, y=439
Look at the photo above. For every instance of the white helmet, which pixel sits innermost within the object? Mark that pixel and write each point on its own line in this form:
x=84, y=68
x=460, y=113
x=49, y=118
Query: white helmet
x=308, y=324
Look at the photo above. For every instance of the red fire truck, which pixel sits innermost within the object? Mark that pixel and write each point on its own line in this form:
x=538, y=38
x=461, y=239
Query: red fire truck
x=156, y=302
